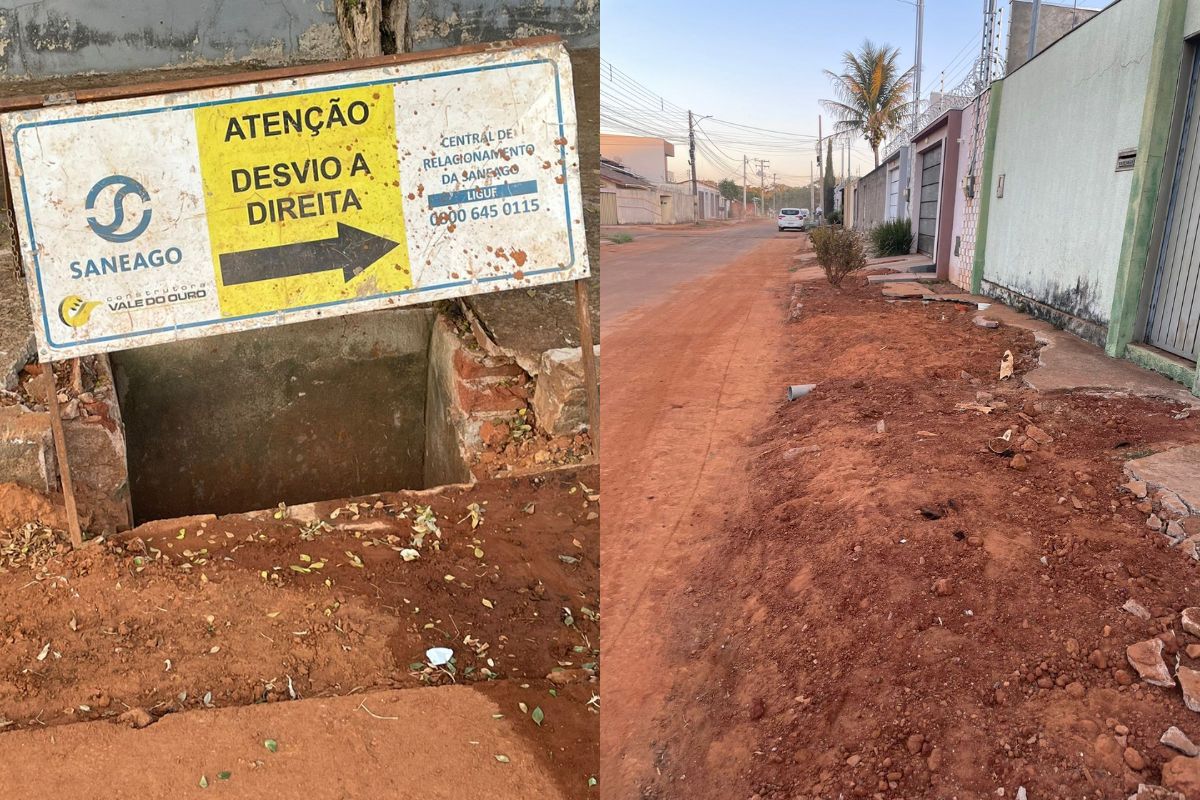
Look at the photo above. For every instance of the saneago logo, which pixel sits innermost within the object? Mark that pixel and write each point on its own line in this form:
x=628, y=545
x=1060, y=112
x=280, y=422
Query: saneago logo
x=75, y=311
x=112, y=230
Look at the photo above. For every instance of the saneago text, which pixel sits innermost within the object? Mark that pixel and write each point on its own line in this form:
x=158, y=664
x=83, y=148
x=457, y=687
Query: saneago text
x=125, y=262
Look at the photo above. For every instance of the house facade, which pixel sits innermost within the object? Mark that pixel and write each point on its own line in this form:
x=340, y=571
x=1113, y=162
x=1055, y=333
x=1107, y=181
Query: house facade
x=1088, y=202
x=882, y=194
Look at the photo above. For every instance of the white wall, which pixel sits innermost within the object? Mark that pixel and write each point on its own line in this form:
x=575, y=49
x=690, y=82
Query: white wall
x=1056, y=234
x=646, y=157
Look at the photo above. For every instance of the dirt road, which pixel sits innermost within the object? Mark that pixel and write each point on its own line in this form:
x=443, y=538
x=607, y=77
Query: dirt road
x=687, y=379
x=851, y=595
x=642, y=273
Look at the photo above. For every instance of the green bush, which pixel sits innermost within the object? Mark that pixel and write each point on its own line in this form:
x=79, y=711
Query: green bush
x=892, y=238
x=835, y=218
x=839, y=251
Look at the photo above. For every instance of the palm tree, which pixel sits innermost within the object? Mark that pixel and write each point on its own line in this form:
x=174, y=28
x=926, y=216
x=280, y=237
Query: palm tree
x=872, y=94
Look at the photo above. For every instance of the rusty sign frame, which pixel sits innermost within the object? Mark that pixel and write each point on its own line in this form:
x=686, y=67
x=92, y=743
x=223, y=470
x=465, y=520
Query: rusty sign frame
x=298, y=301
x=241, y=78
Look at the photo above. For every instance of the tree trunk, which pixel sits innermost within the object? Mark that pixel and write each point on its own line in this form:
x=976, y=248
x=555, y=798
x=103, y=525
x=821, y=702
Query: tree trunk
x=360, y=24
x=875, y=150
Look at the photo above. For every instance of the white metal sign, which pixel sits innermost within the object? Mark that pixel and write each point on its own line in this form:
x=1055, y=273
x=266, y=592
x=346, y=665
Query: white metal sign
x=153, y=219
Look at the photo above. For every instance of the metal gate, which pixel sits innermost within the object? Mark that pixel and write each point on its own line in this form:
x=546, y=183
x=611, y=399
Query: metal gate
x=1174, y=319
x=931, y=191
x=608, y=208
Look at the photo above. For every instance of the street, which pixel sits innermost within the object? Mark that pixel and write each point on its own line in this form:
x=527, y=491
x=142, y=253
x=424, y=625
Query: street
x=643, y=272
x=859, y=593
x=688, y=379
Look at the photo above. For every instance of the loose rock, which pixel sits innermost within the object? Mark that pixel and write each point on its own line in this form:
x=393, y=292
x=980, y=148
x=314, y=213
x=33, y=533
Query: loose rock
x=1136, y=488
x=1190, y=619
x=1134, y=759
x=136, y=718
x=1178, y=740
x=1146, y=658
x=1137, y=609
x=1148, y=792
x=1189, y=681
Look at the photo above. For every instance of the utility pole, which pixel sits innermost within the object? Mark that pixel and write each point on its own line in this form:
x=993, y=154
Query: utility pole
x=917, y=65
x=1033, y=26
x=692, y=161
x=812, y=206
x=745, y=162
x=762, y=182
x=775, y=188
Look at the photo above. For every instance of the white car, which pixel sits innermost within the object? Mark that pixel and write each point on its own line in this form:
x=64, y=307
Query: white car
x=791, y=219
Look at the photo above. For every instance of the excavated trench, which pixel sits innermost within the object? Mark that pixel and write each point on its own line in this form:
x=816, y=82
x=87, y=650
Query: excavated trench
x=331, y=408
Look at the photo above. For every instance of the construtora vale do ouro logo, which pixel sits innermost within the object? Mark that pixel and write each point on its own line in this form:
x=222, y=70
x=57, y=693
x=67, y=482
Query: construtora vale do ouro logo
x=75, y=311
x=110, y=222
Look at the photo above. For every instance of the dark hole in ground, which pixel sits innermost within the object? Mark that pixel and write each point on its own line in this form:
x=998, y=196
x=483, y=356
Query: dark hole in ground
x=310, y=411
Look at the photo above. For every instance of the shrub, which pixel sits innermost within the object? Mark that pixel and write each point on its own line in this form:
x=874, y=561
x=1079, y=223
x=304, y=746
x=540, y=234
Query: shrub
x=835, y=218
x=839, y=252
x=892, y=238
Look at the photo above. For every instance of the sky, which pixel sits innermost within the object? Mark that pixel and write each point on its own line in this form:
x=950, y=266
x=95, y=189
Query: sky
x=759, y=63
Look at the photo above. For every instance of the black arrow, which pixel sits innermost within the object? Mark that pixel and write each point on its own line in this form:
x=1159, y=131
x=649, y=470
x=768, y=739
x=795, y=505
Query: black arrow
x=351, y=251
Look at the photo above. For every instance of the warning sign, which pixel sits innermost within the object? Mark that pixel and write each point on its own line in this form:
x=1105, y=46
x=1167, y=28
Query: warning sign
x=152, y=219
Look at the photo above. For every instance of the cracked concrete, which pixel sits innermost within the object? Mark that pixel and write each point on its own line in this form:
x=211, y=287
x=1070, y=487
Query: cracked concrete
x=1068, y=363
x=1176, y=470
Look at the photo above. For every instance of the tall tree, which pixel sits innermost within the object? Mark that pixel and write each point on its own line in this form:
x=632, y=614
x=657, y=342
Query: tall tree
x=729, y=190
x=872, y=94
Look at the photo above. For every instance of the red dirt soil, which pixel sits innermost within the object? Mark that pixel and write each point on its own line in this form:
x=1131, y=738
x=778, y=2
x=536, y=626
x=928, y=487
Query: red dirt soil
x=233, y=611
x=898, y=612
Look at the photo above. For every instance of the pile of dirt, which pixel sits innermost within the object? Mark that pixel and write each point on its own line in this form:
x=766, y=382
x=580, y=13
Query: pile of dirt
x=326, y=600
x=900, y=611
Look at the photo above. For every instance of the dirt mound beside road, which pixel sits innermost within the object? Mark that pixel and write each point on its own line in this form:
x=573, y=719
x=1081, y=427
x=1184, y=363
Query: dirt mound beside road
x=903, y=613
x=327, y=600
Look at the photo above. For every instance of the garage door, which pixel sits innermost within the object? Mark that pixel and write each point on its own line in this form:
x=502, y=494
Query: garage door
x=1174, y=321
x=931, y=189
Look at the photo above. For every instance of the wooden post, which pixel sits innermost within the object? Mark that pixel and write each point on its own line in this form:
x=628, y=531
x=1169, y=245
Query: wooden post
x=60, y=452
x=591, y=380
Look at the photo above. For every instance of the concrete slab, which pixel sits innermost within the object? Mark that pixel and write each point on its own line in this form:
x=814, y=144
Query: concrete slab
x=904, y=290
x=909, y=290
x=911, y=263
x=27, y=449
x=1068, y=363
x=1177, y=470
x=898, y=277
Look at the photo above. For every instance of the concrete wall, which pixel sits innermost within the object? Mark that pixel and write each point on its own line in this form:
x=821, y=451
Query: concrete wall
x=870, y=198
x=69, y=37
x=872, y=192
x=637, y=206
x=66, y=37
x=966, y=208
x=640, y=155
x=1054, y=22
x=446, y=23
x=1055, y=236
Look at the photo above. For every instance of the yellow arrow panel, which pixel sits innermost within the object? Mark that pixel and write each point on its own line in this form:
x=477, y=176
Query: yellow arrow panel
x=287, y=170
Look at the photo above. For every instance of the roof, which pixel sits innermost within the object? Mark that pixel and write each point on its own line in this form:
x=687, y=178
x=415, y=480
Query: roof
x=614, y=172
